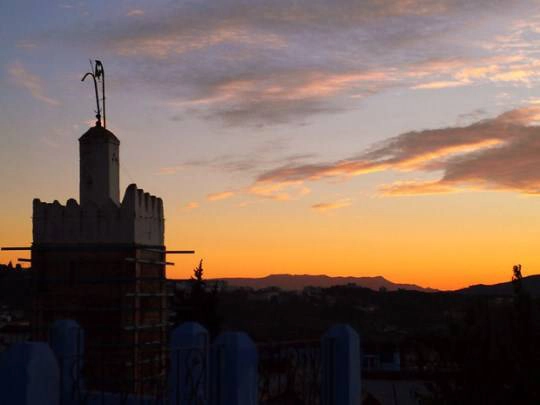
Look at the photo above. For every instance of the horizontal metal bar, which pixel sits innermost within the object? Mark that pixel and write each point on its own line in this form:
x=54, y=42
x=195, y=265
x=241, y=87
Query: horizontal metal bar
x=105, y=280
x=20, y=259
x=150, y=326
x=97, y=247
x=110, y=381
x=157, y=344
x=144, y=309
x=119, y=330
x=171, y=252
x=141, y=294
x=144, y=261
x=105, y=247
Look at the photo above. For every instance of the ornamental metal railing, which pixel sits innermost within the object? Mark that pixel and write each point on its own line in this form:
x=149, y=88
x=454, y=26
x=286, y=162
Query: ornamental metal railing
x=290, y=373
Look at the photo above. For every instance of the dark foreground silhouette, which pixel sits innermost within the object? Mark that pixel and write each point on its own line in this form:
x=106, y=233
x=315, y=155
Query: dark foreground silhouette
x=466, y=348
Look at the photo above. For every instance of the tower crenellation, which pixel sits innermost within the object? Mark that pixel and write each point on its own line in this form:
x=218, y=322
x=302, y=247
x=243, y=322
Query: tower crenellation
x=137, y=220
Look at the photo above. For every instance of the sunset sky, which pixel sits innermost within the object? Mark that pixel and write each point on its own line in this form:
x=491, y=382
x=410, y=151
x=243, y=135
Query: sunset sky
x=395, y=138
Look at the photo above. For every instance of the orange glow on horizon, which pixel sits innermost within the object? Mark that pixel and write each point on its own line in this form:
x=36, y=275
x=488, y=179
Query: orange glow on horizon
x=418, y=240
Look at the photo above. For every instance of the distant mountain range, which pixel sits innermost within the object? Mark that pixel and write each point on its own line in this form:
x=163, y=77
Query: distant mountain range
x=531, y=284
x=298, y=282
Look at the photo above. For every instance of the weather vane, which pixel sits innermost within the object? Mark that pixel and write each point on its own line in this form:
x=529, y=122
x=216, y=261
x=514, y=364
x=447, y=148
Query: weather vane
x=98, y=75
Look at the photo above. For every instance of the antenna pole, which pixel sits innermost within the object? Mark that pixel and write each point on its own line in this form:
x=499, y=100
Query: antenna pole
x=98, y=73
x=98, y=115
x=103, y=92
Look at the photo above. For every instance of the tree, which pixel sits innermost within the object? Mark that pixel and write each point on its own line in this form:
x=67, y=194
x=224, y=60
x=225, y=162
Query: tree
x=198, y=273
x=200, y=305
x=198, y=285
x=516, y=279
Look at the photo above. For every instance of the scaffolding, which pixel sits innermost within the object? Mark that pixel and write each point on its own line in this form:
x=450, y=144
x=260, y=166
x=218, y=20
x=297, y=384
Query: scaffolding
x=119, y=296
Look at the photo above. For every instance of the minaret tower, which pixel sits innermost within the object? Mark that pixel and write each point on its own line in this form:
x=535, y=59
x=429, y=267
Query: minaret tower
x=99, y=181
x=101, y=262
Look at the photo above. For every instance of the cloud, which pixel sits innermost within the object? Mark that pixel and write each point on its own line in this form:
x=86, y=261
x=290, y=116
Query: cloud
x=30, y=82
x=472, y=116
x=260, y=157
x=244, y=204
x=439, y=85
x=324, y=207
x=26, y=44
x=282, y=96
x=136, y=12
x=285, y=191
x=191, y=205
x=169, y=170
x=173, y=44
x=284, y=62
x=279, y=191
x=416, y=188
x=220, y=196
x=464, y=72
x=501, y=153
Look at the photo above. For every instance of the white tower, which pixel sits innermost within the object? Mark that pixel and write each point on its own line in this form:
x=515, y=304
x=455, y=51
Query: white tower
x=99, y=180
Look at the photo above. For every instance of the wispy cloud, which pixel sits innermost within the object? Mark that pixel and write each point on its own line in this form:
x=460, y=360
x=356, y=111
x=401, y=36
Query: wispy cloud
x=470, y=71
x=439, y=85
x=191, y=205
x=170, y=170
x=500, y=153
x=220, y=196
x=136, y=12
x=416, y=188
x=261, y=157
x=283, y=62
x=283, y=96
x=175, y=44
x=26, y=44
x=279, y=191
x=30, y=82
x=328, y=206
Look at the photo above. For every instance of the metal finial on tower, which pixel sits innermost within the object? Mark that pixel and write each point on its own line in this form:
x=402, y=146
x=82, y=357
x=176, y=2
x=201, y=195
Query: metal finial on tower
x=98, y=74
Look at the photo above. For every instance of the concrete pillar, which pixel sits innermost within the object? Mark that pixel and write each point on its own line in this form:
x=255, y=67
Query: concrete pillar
x=29, y=375
x=188, y=372
x=340, y=355
x=66, y=339
x=234, y=373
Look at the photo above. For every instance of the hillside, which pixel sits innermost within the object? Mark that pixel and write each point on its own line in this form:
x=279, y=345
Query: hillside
x=298, y=282
x=531, y=284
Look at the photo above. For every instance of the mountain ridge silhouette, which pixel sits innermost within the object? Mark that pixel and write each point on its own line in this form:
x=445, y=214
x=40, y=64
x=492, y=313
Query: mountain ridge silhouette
x=299, y=281
x=531, y=285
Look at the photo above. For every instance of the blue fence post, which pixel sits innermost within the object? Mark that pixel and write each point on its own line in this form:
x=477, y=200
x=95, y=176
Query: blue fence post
x=340, y=355
x=188, y=371
x=66, y=339
x=233, y=367
x=29, y=375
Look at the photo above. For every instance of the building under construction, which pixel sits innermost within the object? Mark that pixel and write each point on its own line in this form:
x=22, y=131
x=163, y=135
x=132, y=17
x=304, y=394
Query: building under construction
x=101, y=262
